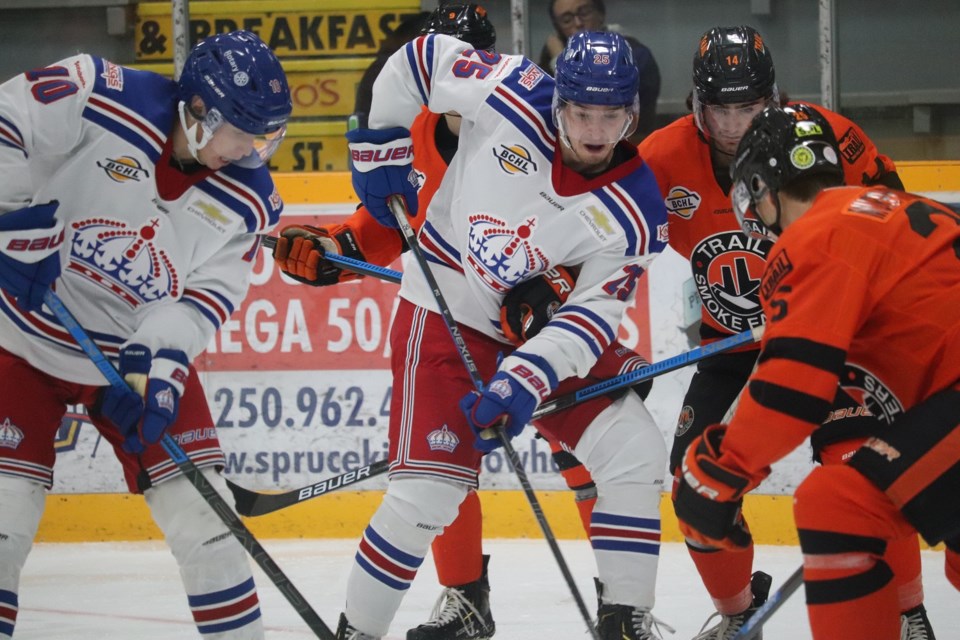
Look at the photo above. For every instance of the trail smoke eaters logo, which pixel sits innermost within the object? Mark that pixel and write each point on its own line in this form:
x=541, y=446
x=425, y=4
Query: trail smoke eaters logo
x=500, y=254
x=123, y=169
x=682, y=202
x=514, y=159
x=870, y=393
x=685, y=421
x=727, y=270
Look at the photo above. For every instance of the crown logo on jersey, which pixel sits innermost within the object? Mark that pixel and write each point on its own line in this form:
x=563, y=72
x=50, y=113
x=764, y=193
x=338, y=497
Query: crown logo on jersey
x=442, y=439
x=123, y=260
x=501, y=255
x=10, y=435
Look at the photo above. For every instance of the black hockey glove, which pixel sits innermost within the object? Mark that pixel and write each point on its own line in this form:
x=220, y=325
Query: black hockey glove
x=528, y=307
x=301, y=250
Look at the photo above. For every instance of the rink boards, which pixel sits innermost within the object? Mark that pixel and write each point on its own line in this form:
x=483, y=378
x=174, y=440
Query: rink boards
x=299, y=387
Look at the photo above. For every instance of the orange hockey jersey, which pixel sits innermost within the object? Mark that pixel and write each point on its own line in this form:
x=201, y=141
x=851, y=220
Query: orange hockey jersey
x=726, y=264
x=382, y=245
x=866, y=283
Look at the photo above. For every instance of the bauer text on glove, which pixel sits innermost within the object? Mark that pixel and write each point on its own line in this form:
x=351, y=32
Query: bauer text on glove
x=382, y=166
x=30, y=240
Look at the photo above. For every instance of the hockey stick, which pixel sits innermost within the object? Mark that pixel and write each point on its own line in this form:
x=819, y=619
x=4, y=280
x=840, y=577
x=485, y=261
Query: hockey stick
x=751, y=628
x=190, y=470
x=399, y=210
x=650, y=371
x=254, y=503
x=351, y=264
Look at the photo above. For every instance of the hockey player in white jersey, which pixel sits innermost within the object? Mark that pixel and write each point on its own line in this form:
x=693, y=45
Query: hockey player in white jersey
x=541, y=178
x=139, y=199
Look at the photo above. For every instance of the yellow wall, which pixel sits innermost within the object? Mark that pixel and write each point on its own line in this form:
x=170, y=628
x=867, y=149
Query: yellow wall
x=312, y=188
x=507, y=514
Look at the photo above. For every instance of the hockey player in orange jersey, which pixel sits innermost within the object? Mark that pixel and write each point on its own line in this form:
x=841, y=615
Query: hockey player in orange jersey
x=734, y=79
x=463, y=610
x=861, y=279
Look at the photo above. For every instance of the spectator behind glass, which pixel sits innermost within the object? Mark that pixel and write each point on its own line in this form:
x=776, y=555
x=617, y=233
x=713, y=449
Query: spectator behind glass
x=406, y=31
x=573, y=16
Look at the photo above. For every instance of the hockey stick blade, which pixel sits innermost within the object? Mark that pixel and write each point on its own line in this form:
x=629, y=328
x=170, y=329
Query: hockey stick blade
x=254, y=503
x=651, y=371
x=350, y=264
x=193, y=474
x=751, y=628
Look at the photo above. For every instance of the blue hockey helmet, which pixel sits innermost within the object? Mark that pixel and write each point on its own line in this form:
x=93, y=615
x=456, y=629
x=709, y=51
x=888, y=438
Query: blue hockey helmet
x=597, y=67
x=240, y=81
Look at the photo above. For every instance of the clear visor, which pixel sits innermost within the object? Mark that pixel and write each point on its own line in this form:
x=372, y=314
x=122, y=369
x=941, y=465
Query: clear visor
x=730, y=121
x=744, y=199
x=595, y=124
x=252, y=150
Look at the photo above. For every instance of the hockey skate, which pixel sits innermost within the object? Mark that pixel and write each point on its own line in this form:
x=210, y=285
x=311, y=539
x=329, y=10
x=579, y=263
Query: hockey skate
x=461, y=613
x=345, y=631
x=729, y=625
x=915, y=625
x=623, y=622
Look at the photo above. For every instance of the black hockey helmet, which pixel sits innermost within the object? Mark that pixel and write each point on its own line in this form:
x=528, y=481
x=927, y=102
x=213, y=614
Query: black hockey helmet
x=467, y=22
x=781, y=145
x=731, y=65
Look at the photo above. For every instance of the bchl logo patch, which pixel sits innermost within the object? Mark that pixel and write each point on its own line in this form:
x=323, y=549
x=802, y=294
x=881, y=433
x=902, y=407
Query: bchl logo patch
x=501, y=255
x=123, y=169
x=682, y=202
x=727, y=270
x=514, y=159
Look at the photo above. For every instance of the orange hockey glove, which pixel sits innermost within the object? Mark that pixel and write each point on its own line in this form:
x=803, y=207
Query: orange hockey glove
x=301, y=250
x=528, y=307
x=708, y=497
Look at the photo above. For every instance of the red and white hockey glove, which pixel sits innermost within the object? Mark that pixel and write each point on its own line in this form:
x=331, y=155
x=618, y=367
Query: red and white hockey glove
x=708, y=497
x=530, y=305
x=301, y=250
x=382, y=166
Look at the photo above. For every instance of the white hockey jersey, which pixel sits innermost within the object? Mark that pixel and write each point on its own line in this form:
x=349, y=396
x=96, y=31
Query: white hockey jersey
x=508, y=209
x=150, y=255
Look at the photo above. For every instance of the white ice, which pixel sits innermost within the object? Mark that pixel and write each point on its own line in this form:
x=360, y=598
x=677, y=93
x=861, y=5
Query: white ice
x=95, y=591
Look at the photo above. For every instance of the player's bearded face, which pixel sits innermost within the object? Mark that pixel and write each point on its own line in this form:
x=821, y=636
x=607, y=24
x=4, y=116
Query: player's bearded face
x=594, y=130
x=727, y=123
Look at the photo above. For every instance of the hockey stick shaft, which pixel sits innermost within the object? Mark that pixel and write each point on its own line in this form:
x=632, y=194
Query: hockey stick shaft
x=350, y=264
x=254, y=503
x=193, y=474
x=650, y=371
x=752, y=627
x=399, y=210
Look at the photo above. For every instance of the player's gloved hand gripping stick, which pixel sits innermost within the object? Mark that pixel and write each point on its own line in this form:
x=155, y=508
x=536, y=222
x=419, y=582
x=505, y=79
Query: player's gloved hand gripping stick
x=190, y=470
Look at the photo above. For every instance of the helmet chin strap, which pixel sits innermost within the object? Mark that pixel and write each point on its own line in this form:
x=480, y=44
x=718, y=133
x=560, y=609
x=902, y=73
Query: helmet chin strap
x=191, y=132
